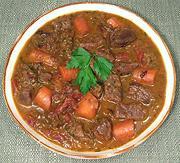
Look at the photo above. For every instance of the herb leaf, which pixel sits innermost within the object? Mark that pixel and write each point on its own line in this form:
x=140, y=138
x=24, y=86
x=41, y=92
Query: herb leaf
x=86, y=79
x=80, y=58
x=102, y=67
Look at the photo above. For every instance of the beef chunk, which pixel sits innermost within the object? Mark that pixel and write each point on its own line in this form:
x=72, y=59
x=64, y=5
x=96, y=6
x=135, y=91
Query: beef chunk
x=45, y=77
x=122, y=37
x=125, y=68
x=76, y=130
x=56, y=38
x=97, y=91
x=25, y=97
x=25, y=77
x=139, y=93
x=104, y=130
x=130, y=111
x=63, y=24
x=66, y=106
x=69, y=103
x=113, y=89
x=95, y=44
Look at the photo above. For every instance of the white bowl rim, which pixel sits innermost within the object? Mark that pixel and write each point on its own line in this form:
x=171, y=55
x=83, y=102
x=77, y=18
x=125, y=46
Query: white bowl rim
x=90, y=6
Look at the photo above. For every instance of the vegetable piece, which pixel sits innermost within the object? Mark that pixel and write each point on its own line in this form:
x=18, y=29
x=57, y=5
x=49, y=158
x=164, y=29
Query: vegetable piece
x=144, y=75
x=68, y=74
x=124, y=131
x=102, y=67
x=43, y=98
x=114, y=22
x=81, y=25
x=38, y=56
x=87, y=107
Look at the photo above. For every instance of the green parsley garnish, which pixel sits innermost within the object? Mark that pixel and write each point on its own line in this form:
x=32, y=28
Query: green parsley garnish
x=86, y=77
x=102, y=67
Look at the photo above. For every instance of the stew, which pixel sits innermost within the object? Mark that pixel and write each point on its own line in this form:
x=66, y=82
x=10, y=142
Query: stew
x=89, y=81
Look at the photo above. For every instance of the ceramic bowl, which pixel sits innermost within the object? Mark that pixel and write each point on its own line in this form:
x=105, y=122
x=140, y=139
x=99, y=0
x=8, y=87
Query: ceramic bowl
x=67, y=9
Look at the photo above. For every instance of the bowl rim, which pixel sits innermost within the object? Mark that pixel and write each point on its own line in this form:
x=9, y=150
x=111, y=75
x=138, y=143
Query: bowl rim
x=81, y=156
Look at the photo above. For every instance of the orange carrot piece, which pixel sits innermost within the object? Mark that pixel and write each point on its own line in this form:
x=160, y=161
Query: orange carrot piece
x=144, y=75
x=43, y=98
x=124, y=131
x=68, y=74
x=87, y=107
x=81, y=25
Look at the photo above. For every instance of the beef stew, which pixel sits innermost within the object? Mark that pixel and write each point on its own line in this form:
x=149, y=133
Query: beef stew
x=112, y=108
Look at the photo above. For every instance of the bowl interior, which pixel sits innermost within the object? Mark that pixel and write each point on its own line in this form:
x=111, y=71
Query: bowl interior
x=35, y=25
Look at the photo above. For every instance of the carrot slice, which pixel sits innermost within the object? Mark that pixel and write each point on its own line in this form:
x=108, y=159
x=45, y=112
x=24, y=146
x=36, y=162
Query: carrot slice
x=114, y=22
x=81, y=25
x=43, y=98
x=87, y=107
x=38, y=56
x=68, y=74
x=124, y=131
x=144, y=75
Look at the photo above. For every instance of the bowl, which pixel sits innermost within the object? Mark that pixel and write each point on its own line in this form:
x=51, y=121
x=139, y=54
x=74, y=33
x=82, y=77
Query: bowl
x=67, y=9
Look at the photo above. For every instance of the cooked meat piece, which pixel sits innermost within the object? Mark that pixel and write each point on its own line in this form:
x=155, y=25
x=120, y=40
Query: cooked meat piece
x=90, y=42
x=25, y=77
x=138, y=93
x=76, y=130
x=44, y=77
x=43, y=57
x=113, y=89
x=130, y=111
x=66, y=106
x=69, y=103
x=104, y=130
x=94, y=44
x=57, y=39
x=104, y=52
x=122, y=56
x=97, y=91
x=63, y=24
x=57, y=98
x=54, y=119
x=105, y=30
x=122, y=37
x=25, y=97
x=125, y=68
x=57, y=82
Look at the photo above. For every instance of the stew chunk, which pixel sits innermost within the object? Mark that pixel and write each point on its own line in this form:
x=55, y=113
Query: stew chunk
x=139, y=93
x=104, y=130
x=130, y=111
x=43, y=98
x=122, y=37
x=124, y=131
x=113, y=89
x=87, y=107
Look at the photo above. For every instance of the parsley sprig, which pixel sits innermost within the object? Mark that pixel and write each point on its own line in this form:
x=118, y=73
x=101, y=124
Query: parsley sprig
x=86, y=77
